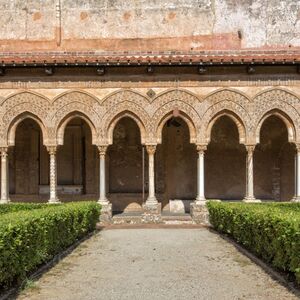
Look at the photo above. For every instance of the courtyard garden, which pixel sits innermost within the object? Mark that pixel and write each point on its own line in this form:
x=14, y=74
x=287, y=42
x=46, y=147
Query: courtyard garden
x=269, y=230
x=32, y=234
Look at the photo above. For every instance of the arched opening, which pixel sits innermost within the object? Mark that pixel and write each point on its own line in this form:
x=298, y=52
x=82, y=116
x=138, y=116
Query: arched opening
x=125, y=167
x=77, y=162
x=28, y=163
x=176, y=166
x=225, y=168
x=274, y=162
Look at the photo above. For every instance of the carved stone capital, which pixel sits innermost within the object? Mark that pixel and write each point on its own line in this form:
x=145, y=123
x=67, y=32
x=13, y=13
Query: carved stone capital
x=151, y=149
x=201, y=149
x=4, y=151
x=297, y=146
x=250, y=148
x=102, y=149
x=52, y=150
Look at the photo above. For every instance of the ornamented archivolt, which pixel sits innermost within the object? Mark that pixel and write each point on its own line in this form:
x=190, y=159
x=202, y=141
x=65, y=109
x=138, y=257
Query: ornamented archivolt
x=151, y=113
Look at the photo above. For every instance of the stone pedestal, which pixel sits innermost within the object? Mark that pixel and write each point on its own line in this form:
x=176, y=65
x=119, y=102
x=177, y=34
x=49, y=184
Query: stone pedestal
x=251, y=200
x=152, y=213
x=106, y=213
x=199, y=213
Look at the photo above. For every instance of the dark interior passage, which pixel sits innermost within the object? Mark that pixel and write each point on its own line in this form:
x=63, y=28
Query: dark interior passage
x=125, y=166
x=274, y=162
x=176, y=163
x=77, y=160
x=225, y=162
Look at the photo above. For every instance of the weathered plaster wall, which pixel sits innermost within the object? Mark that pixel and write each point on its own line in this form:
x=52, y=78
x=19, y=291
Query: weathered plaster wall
x=148, y=24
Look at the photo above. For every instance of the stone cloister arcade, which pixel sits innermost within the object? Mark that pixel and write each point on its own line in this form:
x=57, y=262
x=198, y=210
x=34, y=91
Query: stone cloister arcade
x=136, y=152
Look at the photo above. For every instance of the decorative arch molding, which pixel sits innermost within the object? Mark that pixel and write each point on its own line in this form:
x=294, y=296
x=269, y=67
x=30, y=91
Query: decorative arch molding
x=60, y=130
x=125, y=109
x=122, y=115
x=235, y=118
x=181, y=95
x=186, y=112
x=289, y=123
x=233, y=110
x=284, y=103
x=75, y=96
x=24, y=97
x=228, y=95
x=278, y=93
x=11, y=131
x=122, y=96
x=11, y=116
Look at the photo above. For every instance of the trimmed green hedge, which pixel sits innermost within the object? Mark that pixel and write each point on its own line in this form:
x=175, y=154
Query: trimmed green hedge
x=13, y=207
x=270, y=230
x=31, y=238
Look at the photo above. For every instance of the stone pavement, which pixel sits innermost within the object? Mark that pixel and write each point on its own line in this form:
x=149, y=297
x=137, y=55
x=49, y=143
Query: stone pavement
x=156, y=264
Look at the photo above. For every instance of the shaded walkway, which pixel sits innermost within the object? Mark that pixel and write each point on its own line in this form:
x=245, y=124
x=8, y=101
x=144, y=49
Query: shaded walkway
x=156, y=264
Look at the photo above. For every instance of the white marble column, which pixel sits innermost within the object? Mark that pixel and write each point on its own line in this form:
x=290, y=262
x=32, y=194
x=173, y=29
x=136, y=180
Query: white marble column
x=4, y=176
x=151, y=198
x=102, y=195
x=53, y=175
x=249, y=175
x=200, y=174
x=297, y=175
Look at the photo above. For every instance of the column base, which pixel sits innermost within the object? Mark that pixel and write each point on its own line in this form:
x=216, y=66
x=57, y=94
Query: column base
x=152, y=213
x=199, y=212
x=296, y=199
x=251, y=200
x=4, y=201
x=106, y=213
x=54, y=201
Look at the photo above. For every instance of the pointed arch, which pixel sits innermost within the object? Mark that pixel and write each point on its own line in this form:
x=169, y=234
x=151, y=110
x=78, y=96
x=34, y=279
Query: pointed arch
x=183, y=115
x=12, y=128
x=60, y=129
x=129, y=109
x=281, y=102
x=120, y=116
x=234, y=117
x=286, y=120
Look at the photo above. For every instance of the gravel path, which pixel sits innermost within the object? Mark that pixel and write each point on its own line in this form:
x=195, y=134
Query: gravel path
x=156, y=264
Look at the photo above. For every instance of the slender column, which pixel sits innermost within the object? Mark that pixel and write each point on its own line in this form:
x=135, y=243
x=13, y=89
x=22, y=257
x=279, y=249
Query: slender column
x=53, y=175
x=151, y=198
x=200, y=174
x=4, y=176
x=102, y=195
x=297, y=175
x=249, y=184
